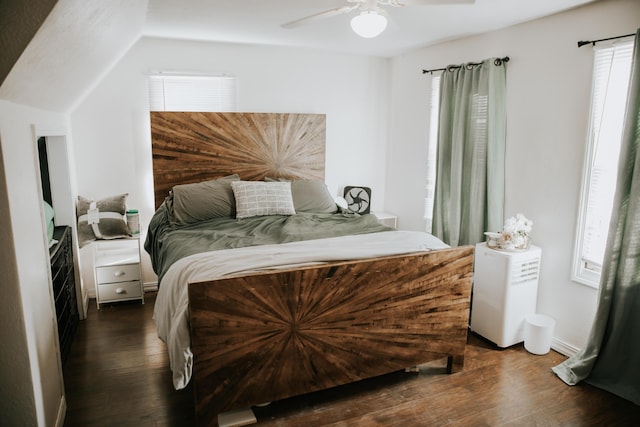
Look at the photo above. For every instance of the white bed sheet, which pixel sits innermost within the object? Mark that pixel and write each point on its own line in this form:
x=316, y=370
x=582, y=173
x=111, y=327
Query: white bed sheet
x=171, y=307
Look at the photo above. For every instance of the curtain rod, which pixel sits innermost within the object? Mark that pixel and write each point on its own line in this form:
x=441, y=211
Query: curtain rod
x=497, y=62
x=593, y=42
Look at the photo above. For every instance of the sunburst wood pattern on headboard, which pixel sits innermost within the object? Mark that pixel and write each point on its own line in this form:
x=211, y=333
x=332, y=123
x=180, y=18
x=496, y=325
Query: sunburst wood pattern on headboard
x=192, y=147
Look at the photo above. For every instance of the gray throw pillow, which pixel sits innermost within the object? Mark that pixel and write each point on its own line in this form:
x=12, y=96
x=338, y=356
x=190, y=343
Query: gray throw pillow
x=203, y=200
x=112, y=220
x=310, y=195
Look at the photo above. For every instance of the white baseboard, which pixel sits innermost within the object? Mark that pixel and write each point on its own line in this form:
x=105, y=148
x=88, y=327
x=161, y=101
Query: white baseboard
x=85, y=304
x=150, y=286
x=563, y=348
x=559, y=346
x=62, y=412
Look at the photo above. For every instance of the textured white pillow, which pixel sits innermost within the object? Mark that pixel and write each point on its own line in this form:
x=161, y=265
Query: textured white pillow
x=255, y=198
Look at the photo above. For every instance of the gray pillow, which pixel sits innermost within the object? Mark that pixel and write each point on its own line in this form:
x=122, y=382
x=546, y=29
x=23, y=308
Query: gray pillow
x=203, y=200
x=310, y=196
x=112, y=224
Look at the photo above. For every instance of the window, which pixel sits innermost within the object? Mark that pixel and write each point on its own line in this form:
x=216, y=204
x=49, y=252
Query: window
x=432, y=153
x=612, y=65
x=192, y=93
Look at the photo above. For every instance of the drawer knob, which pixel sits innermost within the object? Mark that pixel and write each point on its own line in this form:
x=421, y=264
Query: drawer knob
x=121, y=291
x=119, y=273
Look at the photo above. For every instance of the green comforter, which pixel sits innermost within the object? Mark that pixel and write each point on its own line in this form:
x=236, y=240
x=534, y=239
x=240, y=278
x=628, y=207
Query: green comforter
x=166, y=243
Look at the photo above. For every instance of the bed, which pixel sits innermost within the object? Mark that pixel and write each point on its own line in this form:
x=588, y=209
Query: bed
x=259, y=307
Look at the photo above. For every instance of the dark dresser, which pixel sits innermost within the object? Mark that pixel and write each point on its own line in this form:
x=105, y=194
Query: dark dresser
x=64, y=289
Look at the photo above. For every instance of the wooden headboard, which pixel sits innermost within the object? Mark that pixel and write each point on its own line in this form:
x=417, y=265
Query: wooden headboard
x=192, y=147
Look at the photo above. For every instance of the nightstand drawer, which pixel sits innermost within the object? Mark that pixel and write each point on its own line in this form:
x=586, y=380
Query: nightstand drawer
x=119, y=291
x=118, y=273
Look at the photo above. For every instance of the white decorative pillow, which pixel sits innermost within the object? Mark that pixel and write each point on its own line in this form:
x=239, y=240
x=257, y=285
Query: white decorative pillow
x=254, y=198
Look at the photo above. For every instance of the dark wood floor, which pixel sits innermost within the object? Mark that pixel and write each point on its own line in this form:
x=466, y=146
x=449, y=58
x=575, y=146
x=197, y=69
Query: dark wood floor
x=118, y=375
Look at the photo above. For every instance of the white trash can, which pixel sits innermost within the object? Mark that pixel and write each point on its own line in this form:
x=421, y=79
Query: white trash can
x=538, y=331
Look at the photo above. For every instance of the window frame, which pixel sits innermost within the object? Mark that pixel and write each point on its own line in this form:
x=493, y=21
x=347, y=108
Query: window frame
x=584, y=271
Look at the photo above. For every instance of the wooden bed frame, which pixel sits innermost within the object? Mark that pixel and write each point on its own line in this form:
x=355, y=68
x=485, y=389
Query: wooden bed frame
x=269, y=336
x=266, y=336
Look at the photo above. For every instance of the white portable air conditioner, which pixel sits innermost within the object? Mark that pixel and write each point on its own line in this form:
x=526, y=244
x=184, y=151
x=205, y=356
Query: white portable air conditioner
x=505, y=289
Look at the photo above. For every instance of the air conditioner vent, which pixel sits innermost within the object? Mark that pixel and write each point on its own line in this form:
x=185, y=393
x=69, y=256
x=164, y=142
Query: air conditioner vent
x=525, y=271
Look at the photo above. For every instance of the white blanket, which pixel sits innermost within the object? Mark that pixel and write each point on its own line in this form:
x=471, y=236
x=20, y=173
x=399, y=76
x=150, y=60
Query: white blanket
x=171, y=308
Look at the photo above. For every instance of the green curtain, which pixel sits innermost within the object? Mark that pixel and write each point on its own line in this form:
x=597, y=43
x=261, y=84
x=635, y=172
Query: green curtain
x=611, y=358
x=469, y=191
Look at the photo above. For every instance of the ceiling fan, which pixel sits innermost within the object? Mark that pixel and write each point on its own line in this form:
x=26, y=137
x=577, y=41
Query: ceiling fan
x=371, y=20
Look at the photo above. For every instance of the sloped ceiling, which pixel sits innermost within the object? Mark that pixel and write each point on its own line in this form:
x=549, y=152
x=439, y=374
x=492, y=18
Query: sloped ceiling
x=76, y=45
x=19, y=22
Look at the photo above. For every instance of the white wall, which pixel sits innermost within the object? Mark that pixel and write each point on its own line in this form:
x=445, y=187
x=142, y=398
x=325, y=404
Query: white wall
x=111, y=126
x=32, y=322
x=17, y=404
x=548, y=89
x=369, y=100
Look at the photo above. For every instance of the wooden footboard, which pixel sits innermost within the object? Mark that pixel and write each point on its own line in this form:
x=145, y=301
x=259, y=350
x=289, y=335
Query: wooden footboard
x=267, y=336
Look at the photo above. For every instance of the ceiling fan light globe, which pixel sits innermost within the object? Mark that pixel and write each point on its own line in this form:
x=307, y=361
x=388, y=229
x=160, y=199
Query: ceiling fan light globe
x=368, y=24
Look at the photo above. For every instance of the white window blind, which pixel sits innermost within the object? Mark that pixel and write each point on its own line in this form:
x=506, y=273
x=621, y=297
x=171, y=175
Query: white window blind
x=192, y=93
x=432, y=153
x=612, y=65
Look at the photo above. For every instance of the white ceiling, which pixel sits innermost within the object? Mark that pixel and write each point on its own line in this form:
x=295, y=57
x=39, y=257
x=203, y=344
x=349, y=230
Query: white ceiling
x=412, y=26
x=81, y=40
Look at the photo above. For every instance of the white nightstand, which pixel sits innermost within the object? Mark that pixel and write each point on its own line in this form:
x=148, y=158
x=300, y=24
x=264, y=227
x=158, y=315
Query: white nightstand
x=117, y=271
x=387, y=218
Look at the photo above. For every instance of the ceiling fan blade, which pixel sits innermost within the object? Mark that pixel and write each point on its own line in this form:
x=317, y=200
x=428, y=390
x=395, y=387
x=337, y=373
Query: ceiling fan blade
x=318, y=16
